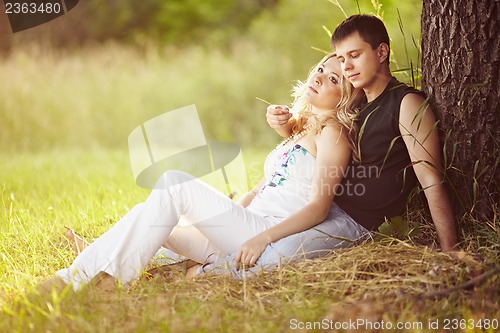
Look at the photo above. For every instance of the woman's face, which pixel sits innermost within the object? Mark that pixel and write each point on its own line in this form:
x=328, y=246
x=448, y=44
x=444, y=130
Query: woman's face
x=323, y=86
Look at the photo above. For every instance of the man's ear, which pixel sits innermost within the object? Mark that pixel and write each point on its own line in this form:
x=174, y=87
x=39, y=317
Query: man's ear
x=383, y=52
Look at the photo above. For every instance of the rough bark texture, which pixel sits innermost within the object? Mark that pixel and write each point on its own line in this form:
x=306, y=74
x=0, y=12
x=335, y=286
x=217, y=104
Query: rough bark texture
x=461, y=61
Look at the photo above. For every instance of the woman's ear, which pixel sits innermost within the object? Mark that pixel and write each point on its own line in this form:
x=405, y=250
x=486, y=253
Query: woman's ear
x=383, y=52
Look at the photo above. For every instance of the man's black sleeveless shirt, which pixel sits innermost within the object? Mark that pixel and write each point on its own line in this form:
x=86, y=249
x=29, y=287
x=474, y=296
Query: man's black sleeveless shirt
x=378, y=186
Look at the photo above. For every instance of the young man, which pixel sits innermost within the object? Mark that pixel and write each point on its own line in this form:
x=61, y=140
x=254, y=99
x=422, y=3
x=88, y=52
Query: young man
x=398, y=145
x=398, y=142
x=393, y=112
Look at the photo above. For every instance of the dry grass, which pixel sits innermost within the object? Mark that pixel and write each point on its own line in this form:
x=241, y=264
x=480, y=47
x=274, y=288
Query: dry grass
x=390, y=281
x=387, y=280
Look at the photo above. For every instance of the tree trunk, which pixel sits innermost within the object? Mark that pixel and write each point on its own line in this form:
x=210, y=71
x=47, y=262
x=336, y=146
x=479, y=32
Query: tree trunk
x=460, y=74
x=5, y=32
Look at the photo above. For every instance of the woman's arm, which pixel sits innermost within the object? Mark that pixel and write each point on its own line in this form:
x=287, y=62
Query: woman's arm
x=333, y=154
x=248, y=197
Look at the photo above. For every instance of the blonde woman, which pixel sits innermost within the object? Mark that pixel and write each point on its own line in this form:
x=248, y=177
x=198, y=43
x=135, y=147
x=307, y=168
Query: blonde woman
x=302, y=176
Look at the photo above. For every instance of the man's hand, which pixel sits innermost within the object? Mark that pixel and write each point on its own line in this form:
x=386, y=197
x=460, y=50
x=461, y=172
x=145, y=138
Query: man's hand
x=278, y=118
x=250, y=251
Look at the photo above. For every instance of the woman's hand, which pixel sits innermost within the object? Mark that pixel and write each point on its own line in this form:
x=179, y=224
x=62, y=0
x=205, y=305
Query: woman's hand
x=280, y=119
x=277, y=115
x=251, y=250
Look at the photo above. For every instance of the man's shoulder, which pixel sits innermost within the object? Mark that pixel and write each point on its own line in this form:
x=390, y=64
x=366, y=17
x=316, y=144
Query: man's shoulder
x=397, y=87
x=387, y=107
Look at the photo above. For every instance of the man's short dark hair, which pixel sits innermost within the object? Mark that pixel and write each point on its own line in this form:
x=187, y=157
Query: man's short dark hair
x=369, y=27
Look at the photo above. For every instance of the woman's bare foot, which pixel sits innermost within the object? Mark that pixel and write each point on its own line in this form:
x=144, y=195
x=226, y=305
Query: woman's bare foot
x=77, y=242
x=192, y=271
x=104, y=282
x=170, y=272
x=46, y=287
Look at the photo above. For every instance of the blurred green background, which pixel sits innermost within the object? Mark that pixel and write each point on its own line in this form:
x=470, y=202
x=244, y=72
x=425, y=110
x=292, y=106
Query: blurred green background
x=88, y=78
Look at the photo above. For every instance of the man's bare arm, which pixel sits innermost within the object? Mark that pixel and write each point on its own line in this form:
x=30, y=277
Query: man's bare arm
x=417, y=126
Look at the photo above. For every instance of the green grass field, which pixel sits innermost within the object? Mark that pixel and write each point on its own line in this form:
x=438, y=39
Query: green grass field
x=64, y=121
x=387, y=282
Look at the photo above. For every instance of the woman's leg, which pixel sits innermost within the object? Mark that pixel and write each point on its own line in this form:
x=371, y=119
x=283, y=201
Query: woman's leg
x=190, y=247
x=183, y=241
x=125, y=250
x=189, y=242
x=337, y=231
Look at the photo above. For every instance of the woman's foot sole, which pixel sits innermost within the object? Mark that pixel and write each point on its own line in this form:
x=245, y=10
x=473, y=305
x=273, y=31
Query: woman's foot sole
x=77, y=242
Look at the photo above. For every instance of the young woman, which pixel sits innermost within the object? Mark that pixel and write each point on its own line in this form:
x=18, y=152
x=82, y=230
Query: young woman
x=301, y=177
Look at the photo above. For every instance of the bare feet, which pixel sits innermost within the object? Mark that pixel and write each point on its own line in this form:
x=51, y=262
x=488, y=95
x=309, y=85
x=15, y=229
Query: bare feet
x=55, y=283
x=104, y=281
x=192, y=271
x=77, y=242
x=170, y=272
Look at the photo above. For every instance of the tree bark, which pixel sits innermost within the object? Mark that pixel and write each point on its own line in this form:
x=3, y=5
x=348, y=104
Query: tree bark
x=5, y=32
x=460, y=74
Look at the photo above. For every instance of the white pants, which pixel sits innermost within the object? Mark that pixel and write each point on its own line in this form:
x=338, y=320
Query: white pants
x=337, y=231
x=212, y=226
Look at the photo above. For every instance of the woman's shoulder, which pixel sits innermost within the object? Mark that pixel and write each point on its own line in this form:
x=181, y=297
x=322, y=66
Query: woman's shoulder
x=332, y=129
x=331, y=134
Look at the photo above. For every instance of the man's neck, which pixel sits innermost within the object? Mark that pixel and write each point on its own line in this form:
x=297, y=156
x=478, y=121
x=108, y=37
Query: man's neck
x=377, y=87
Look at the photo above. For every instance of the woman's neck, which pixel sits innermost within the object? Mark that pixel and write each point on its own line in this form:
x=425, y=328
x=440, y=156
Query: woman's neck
x=320, y=112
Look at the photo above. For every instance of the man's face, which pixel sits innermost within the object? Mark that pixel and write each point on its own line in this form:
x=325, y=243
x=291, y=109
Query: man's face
x=359, y=62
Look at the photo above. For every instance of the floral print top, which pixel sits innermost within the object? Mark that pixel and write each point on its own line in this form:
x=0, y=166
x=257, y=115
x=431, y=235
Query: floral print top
x=282, y=172
x=289, y=172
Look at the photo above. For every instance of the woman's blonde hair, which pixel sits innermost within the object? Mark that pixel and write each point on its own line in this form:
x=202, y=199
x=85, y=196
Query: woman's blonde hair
x=345, y=116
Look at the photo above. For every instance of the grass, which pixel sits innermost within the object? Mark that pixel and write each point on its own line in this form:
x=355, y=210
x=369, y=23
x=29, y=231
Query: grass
x=95, y=96
x=388, y=280
x=64, y=121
